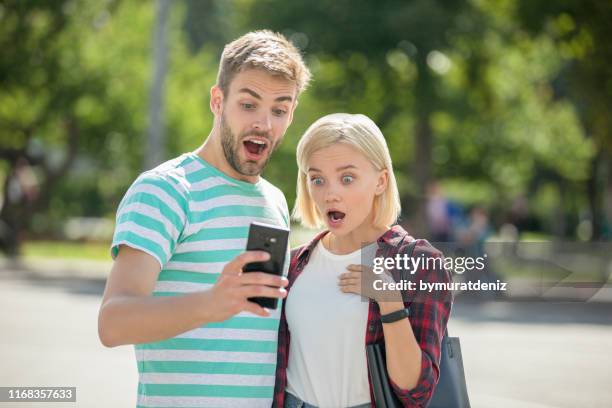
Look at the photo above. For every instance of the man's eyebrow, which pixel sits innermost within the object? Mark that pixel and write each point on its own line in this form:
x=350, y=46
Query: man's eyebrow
x=283, y=99
x=250, y=92
x=348, y=166
x=257, y=96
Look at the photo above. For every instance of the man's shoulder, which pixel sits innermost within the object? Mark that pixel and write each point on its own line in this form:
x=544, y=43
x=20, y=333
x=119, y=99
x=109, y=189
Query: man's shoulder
x=271, y=189
x=167, y=183
x=172, y=173
x=173, y=169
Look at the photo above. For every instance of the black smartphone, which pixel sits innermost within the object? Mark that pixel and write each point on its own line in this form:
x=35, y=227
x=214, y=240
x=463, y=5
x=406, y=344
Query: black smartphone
x=274, y=240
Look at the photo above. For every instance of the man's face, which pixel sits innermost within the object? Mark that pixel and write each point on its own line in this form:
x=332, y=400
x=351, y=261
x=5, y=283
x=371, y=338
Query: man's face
x=255, y=114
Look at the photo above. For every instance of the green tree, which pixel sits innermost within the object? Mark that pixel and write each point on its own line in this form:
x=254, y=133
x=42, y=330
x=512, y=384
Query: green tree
x=385, y=51
x=44, y=94
x=582, y=31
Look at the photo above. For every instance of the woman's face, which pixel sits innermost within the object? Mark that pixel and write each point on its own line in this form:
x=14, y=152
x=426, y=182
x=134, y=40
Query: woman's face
x=343, y=184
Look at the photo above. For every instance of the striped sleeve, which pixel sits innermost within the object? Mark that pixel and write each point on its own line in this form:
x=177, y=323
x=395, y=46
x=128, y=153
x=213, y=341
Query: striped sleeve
x=151, y=217
x=284, y=208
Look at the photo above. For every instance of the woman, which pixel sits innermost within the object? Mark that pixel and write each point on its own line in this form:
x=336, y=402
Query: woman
x=346, y=183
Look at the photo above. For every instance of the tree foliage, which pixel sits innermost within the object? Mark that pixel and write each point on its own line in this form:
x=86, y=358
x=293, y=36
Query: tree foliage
x=497, y=99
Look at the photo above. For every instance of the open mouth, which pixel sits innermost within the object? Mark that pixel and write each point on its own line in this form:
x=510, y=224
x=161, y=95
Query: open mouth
x=335, y=216
x=255, y=148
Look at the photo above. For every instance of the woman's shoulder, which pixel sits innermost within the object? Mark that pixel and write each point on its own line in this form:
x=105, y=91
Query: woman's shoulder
x=297, y=251
x=404, y=243
x=301, y=250
x=423, y=247
x=426, y=256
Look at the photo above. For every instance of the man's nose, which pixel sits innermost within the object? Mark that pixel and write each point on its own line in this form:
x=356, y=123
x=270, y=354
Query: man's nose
x=263, y=123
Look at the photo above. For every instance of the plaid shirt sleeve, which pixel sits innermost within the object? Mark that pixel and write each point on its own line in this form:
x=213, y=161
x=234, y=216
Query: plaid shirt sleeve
x=281, y=363
x=284, y=340
x=429, y=313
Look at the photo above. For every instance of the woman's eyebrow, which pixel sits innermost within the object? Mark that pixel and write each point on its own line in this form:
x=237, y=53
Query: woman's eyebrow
x=348, y=166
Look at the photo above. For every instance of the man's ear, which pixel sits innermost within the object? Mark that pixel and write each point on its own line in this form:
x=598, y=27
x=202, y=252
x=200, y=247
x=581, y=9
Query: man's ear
x=216, y=100
x=383, y=181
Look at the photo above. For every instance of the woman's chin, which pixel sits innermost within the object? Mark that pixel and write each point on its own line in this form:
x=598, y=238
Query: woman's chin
x=335, y=225
x=341, y=229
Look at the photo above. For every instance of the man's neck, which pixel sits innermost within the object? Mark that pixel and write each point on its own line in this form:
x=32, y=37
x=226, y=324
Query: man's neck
x=212, y=152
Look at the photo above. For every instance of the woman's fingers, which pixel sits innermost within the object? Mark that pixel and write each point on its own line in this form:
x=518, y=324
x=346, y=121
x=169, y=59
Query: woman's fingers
x=351, y=289
x=349, y=281
x=347, y=275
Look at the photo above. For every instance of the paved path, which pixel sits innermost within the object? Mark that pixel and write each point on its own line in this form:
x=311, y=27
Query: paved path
x=516, y=354
x=49, y=338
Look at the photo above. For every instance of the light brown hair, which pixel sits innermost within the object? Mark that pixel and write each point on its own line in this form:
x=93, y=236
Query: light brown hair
x=265, y=50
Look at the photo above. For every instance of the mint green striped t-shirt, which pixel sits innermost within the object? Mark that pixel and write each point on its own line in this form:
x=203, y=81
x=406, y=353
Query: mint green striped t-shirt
x=193, y=219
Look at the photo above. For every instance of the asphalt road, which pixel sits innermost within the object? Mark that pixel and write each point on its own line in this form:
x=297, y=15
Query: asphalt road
x=516, y=354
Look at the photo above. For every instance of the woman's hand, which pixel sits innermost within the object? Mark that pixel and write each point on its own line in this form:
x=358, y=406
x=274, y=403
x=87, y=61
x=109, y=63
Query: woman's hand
x=359, y=279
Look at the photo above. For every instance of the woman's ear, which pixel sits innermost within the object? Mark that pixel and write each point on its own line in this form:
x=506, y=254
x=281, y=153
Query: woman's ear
x=383, y=180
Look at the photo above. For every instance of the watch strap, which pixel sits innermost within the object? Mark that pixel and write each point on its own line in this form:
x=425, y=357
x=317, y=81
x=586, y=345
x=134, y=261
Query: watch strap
x=395, y=316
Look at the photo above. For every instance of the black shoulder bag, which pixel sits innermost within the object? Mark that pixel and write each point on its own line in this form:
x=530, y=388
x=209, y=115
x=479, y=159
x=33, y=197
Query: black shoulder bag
x=451, y=390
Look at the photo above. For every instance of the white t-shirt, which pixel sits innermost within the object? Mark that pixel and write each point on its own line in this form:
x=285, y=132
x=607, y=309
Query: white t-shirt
x=327, y=358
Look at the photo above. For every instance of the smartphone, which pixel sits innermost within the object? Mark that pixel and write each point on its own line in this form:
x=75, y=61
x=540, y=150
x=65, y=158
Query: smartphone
x=274, y=240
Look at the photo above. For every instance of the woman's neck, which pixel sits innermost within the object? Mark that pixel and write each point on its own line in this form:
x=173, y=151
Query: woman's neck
x=352, y=241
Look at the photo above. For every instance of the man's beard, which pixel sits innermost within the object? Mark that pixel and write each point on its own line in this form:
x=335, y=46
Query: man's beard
x=232, y=144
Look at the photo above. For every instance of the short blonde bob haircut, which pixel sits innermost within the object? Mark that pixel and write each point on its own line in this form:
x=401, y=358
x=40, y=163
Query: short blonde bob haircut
x=361, y=133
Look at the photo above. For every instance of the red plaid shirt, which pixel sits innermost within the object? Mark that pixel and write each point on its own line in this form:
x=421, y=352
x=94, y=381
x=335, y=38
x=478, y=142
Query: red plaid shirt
x=429, y=314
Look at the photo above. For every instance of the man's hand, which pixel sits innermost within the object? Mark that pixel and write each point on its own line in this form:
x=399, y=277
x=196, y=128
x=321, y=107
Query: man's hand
x=130, y=315
x=230, y=294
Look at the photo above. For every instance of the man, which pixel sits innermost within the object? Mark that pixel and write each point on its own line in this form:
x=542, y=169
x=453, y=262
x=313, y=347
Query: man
x=176, y=289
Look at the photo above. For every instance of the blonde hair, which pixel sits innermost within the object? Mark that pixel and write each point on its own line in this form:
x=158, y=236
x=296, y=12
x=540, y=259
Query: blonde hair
x=265, y=50
x=361, y=133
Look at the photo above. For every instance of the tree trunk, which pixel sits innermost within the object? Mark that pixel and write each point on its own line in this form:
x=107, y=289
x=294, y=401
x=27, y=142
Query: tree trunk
x=156, y=140
x=607, y=196
x=9, y=220
x=423, y=138
x=16, y=214
x=595, y=197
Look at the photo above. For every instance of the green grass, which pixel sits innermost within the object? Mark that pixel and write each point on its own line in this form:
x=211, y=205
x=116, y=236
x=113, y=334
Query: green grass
x=547, y=273
x=101, y=251
x=299, y=235
x=531, y=236
x=67, y=250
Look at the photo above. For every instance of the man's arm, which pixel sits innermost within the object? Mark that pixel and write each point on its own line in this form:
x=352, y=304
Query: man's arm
x=130, y=315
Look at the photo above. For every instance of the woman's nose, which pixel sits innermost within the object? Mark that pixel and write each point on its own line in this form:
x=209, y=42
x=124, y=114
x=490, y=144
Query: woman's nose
x=331, y=196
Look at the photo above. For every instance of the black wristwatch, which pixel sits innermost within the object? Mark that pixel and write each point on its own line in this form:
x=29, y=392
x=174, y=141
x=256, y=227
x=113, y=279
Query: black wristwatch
x=395, y=316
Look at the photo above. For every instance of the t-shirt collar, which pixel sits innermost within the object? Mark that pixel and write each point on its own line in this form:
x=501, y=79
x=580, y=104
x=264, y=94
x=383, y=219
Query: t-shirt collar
x=392, y=237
